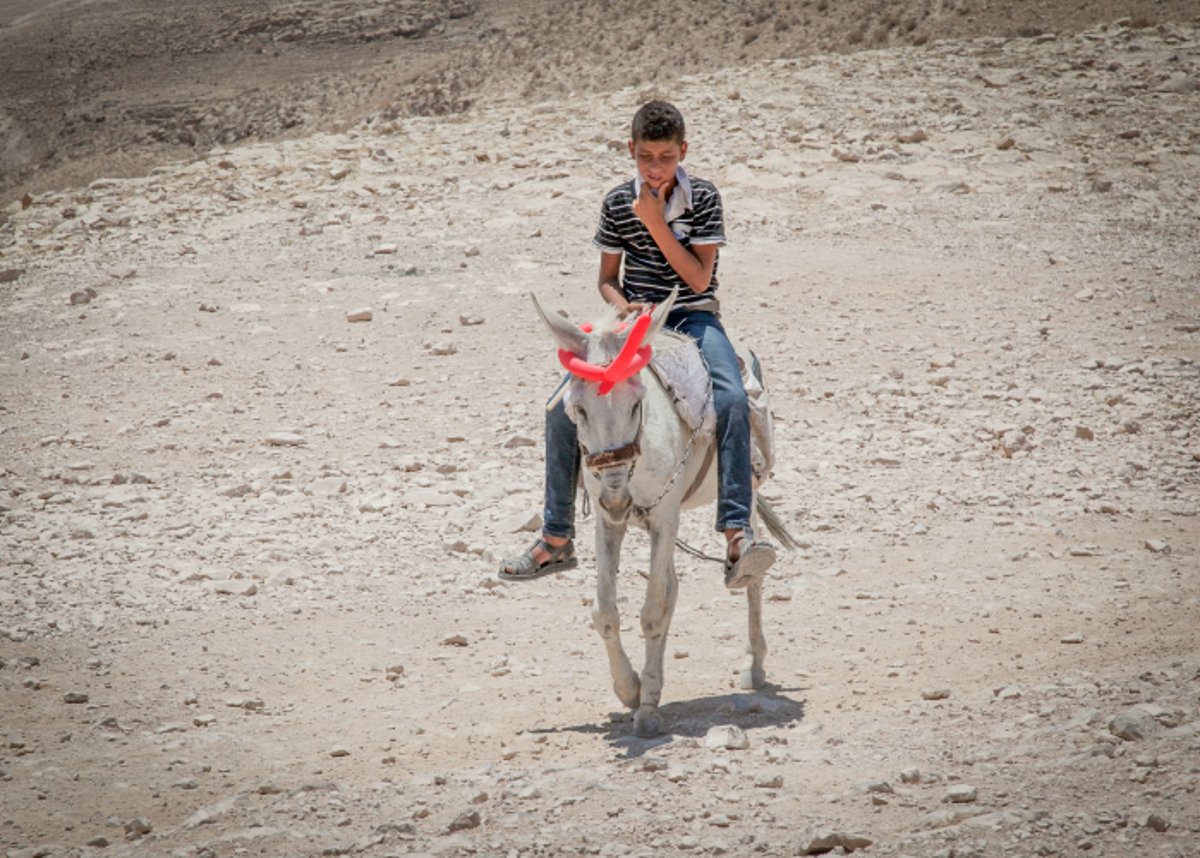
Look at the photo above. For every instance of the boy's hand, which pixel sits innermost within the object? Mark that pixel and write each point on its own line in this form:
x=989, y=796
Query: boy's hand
x=632, y=309
x=649, y=206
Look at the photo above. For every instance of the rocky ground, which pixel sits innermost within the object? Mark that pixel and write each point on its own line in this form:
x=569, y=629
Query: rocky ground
x=271, y=417
x=92, y=88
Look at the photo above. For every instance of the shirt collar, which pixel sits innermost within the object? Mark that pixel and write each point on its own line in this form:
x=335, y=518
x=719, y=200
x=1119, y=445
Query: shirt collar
x=681, y=195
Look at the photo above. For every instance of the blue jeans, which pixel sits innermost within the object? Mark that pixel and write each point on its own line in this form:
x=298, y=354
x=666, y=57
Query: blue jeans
x=735, y=490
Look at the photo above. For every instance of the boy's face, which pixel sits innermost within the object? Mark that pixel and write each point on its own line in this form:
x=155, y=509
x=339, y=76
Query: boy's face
x=656, y=161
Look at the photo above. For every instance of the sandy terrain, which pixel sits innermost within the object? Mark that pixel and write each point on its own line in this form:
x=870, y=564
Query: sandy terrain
x=247, y=546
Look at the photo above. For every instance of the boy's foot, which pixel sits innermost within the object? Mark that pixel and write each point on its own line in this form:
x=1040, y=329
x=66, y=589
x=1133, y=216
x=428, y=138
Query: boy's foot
x=549, y=554
x=748, y=559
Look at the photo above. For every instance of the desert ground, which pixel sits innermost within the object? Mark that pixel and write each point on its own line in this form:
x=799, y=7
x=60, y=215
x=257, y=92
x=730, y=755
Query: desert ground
x=271, y=404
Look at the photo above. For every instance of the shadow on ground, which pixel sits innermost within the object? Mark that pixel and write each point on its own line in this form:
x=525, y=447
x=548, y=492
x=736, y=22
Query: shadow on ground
x=769, y=707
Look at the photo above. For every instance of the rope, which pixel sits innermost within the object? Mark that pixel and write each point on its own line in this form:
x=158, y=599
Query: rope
x=697, y=553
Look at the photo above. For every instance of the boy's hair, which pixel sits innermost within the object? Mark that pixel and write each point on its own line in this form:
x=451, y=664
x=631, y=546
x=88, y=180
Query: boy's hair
x=658, y=120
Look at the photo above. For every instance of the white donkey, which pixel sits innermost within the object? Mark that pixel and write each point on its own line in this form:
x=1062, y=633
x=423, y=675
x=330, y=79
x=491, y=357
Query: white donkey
x=644, y=463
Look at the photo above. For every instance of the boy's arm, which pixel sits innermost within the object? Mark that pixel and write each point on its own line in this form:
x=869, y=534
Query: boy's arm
x=694, y=265
x=609, y=282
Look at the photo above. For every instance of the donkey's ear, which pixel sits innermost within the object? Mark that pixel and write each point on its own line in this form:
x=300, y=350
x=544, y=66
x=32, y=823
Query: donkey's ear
x=661, y=311
x=565, y=334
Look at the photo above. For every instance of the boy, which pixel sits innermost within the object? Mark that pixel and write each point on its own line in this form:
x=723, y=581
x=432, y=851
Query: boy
x=666, y=226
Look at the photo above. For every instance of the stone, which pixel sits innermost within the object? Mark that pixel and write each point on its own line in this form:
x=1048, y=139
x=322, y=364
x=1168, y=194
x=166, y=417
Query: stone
x=727, y=737
x=442, y=348
x=285, y=439
x=935, y=693
x=1136, y=722
x=75, y=697
x=1158, y=546
x=819, y=840
x=465, y=821
x=1153, y=821
x=960, y=794
x=362, y=314
x=138, y=827
x=521, y=522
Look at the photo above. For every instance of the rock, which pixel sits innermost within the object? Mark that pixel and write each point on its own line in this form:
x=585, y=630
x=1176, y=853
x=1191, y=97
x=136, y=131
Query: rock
x=1148, y=819
x=1136, y=722
x=362, y=314
x=519, y=441
x=1085, y=433
x=10, y=275
x=441, y=349
x=455, y=640
x=1181, y=83
x=1158, y=546
x=83, y=296
x=878, y=787
x=329, y=486
x=138, y=827
x=464, y=822
x=285, y=439
x=726, y=736
x=521, y=522
x=339, y=751
x=917, y=135
x=935, y=693
x=1074, y=638
x=818, y=841
x=960, y=794
x=470, y=320
x=386, y=249
x=75, y=697
x=769, y=782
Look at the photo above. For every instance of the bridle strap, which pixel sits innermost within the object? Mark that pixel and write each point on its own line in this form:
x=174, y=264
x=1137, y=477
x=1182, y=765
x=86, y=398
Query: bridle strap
x=611, y=458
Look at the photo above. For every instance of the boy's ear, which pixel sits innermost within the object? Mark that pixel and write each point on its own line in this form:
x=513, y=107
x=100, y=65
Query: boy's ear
x=682, y=150
x=631, y=155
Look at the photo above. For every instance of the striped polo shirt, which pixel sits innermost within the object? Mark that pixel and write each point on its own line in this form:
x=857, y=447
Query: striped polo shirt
x=695, y=216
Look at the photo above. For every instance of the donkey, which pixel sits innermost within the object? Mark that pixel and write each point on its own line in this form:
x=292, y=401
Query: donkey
x=644, y=464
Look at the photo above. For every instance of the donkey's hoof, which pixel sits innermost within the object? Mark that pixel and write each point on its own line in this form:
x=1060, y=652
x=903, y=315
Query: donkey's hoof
x=647, y=723
x=752, y=679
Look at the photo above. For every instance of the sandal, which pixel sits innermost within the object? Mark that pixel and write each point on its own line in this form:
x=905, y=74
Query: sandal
x=525, y=567
x=753, y=561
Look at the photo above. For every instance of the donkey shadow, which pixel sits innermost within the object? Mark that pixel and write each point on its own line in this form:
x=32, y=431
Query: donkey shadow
x=768, y=707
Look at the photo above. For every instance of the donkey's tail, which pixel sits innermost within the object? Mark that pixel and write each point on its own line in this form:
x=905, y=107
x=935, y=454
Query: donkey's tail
x=774, y=523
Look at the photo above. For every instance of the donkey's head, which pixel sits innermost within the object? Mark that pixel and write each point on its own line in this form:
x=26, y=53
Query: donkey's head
x=604, y=395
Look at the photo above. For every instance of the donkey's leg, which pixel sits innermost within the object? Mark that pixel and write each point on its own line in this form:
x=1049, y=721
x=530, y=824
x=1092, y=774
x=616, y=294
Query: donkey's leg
x=754, y=675
x=605, y=617
x=661, y=592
